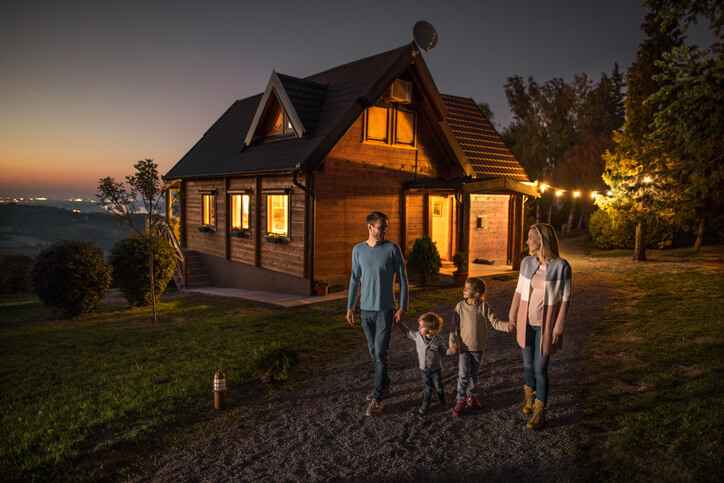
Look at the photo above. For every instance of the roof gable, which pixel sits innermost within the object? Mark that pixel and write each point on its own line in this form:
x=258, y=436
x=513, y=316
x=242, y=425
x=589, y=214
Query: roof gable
x=300, y=99
x=486, y=151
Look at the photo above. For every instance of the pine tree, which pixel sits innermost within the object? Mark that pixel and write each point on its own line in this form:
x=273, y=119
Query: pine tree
x=632, y=177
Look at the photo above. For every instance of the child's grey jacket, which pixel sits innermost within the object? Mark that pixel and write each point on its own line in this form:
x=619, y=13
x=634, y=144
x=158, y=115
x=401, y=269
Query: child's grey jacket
x=429, y=351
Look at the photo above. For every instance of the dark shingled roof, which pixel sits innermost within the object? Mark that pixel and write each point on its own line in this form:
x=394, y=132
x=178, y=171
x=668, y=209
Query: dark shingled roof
x=488, y=154
x=350, y=88
x=307, y=98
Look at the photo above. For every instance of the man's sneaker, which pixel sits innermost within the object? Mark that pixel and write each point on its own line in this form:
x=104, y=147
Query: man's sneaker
x=459, y=408
x=473, y=402
x=375, y=408
x=385, y=394
x=425, y=406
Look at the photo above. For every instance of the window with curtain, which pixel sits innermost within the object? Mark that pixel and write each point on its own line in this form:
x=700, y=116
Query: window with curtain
x=240, y=211
x=390, y=125
x=378, y=124
x=208, y=210
x=405, y=128
x=277, y=220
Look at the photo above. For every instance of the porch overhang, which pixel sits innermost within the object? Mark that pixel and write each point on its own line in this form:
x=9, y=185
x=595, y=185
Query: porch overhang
x=473, y=186
x=501, y=184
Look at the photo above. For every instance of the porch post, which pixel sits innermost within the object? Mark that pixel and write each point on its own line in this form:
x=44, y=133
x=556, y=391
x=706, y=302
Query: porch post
x=517, y=238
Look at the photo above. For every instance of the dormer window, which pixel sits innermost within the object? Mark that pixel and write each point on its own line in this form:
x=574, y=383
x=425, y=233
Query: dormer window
x=280, y=123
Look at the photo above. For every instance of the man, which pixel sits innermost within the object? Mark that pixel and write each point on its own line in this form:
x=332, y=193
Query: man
x=375, y=262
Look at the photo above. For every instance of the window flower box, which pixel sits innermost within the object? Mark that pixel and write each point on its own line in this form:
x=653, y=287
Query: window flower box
x=275, y=238
x=239, y=233
x=205, y=228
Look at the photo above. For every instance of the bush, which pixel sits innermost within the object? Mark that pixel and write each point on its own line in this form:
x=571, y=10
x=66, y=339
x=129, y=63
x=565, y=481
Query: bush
x=273, y=362
x=129, y=259
x=15, y=273
x=71, y=277
x=424, y=259
x=617, y=229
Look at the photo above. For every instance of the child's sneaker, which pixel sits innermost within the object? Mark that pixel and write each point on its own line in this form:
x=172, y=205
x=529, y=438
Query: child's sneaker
x=473, y=402
x=459, y=408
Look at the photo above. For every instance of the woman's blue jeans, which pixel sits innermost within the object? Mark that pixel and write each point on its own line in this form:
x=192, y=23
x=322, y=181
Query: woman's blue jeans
x=534, y=364
x=377, y=327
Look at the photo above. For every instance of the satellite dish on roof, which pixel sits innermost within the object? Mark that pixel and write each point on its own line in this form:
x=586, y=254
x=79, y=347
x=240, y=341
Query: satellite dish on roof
x=425, y=35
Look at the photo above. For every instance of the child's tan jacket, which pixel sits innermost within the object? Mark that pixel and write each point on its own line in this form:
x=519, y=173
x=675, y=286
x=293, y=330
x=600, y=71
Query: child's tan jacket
x=469, y=325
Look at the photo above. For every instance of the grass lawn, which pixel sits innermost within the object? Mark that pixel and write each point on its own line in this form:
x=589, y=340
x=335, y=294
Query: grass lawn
x=83, y=399
x=652, y=372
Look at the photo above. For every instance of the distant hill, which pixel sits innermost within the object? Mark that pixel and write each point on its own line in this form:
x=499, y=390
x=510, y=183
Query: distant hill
x=29, y=229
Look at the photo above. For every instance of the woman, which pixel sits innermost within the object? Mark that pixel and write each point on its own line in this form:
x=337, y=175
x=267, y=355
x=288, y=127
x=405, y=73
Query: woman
x=538, y=313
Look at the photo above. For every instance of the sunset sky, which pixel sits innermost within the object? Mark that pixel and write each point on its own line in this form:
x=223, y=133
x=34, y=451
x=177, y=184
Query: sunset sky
x=87, y=88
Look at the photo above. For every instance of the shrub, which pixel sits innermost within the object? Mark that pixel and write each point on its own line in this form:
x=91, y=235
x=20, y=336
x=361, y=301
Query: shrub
x=129, y=259
x=71, y=277
x=15, y=273
x=273, y=362
x=424, y=259
x=613, y=229
x=460, y=259
x=617, y=229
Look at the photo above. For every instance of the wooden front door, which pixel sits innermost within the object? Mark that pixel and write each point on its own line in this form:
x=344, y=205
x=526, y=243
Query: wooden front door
x=440, y=224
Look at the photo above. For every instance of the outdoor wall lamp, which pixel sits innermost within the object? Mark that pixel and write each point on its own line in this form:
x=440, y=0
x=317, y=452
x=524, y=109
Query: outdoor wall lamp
x=219, y=390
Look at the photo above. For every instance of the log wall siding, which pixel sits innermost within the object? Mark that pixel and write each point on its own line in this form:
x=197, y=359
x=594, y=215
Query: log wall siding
x=415, y=218
x=490, y=243
x=287, y=257
x=346, y=194
x=213, y=242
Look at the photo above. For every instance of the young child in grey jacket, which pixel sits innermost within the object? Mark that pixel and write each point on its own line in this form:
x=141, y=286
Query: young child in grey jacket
x=430, y=348
x=468, y=336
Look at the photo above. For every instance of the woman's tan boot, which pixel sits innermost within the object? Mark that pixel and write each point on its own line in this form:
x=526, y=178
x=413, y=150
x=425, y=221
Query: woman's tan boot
x=539, y=416
x=529, y=399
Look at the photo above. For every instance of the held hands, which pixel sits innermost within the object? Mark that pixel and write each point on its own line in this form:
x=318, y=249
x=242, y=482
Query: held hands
x=399, y=316
x=350, y=316
x=453, y=349
x=511, y=326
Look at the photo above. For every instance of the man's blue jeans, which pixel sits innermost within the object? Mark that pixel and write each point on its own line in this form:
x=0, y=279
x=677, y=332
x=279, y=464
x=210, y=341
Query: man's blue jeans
x=468, y=367
x=534, y=364
x=377, y=327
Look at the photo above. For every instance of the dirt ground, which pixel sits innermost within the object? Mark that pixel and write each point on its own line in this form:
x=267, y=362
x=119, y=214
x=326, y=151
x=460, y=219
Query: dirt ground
x=319, y=431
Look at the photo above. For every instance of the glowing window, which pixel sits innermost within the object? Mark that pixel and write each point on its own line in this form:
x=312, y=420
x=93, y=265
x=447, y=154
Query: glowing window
x=280, y=123
x=208, y=210
x=277, y=220
x=240, y=211
x=405, y=128
x=377, y=124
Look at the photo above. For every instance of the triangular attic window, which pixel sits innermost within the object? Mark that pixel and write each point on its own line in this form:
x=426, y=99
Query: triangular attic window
x=275, y=115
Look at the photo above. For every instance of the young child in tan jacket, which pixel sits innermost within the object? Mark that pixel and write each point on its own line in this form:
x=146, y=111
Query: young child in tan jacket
x=468, y=336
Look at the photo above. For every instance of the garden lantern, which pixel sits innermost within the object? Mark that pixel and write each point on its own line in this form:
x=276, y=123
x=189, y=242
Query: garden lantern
x=219, y=390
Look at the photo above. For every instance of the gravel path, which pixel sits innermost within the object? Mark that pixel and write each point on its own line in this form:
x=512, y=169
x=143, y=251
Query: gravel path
x=319, y=432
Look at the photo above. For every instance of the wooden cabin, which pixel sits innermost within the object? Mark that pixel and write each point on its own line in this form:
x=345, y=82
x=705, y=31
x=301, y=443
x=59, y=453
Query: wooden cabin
x=275, y=194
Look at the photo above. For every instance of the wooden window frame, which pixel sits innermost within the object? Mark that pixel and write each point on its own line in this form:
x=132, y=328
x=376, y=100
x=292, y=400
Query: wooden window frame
x=208, y=219
x=269, y=192
x=391, y=140
x=246, y=231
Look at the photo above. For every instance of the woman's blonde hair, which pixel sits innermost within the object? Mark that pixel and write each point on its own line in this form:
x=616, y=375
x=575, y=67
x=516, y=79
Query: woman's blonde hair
x=432, y=322
x=548, y=241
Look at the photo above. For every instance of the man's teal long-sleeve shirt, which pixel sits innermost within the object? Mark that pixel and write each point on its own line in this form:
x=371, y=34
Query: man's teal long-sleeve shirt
x=373, y=271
